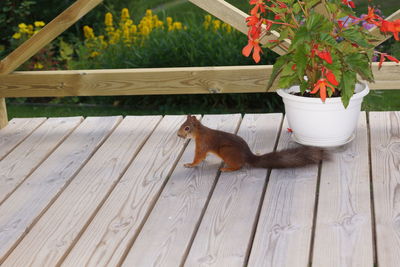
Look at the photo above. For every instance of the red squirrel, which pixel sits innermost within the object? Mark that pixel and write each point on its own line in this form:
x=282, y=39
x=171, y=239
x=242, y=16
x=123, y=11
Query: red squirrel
x=235, y=152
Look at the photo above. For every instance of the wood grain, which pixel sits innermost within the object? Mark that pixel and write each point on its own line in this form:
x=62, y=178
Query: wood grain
x=49, y=32
x=385, y=162
x=168, y=231
x=24, y=159
x=283, y=232
x=161, y=81
x=16, y=131
x=343, y=235
x=225, y=234
x=21, y=210
x=59, y=228
x=112, y=231
x=236, y=18
x=3, y=113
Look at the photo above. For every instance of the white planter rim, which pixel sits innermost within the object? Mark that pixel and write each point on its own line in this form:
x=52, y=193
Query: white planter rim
x=361, y=90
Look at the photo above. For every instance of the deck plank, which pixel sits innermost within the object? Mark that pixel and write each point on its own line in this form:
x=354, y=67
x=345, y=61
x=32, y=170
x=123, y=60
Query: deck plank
x=15, y=132
x=385, y=161
x=172, y=223
x=110, y=234
x=24, y=159
x=225, y=233
x=284, y=229
x=31, y=199
x=343, y=235
x=61, y=225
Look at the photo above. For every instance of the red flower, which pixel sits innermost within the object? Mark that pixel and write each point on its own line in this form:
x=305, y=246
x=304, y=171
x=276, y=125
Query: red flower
x=371, y=17
x=391, y=26
x=252, y=45
x=321, y=87
x=331, y=77
x=259, y=5
x=382, y=59
x=349, y=3
x=325, y=55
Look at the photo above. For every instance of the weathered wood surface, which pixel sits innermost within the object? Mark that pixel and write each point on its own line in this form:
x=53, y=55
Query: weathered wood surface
x=168, y=232
x=385, y=162
x=24, y=159
x=16, y=132
x=161, y=81
x=108, y=237
x=115, y=193
x=65, y=220
x=283, y=233
x=343, y=234
x=3, y=113
x=225, y=233
x=20, y=211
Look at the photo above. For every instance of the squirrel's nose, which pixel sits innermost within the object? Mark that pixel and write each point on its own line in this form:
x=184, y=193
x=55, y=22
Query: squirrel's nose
x=180, y=135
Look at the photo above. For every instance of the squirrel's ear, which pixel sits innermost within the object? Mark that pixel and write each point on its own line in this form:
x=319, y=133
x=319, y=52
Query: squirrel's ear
x=193, y=118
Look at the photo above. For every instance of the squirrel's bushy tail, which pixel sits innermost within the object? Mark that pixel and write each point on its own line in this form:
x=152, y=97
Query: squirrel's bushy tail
x=289, y=158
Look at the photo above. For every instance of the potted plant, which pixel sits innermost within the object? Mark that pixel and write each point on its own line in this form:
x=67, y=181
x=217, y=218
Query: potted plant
x=327, y=62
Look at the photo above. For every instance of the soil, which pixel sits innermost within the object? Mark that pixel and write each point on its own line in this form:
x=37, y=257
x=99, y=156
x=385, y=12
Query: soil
x=307, y=94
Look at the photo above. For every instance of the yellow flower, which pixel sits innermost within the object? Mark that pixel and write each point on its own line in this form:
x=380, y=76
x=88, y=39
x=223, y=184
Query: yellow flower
x=216, y=24
x=39, y=23
x=149, y=13
x=133, y=29
x=124, y=14
x=207, y=18
x=88, y=32
x=16, y=35
x=128, y=22
x=160, y=24
x=38, y=66
x=177, y=26
x=227, y=27
x=94, y=54
x=206, y=25
x=145, y=30
x=22, y=26
x=108, y=20
x=169, y=21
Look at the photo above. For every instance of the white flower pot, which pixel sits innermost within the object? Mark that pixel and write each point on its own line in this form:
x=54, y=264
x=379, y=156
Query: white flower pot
x=328, y=124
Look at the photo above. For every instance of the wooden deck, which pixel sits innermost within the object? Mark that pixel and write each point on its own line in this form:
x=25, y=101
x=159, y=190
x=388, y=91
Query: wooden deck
x=112, y=191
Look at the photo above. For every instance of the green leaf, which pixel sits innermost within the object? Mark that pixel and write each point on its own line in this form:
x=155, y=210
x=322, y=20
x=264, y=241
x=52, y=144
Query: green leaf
x=359, y=63
x=287, y=81
x=356, y=36
x=296, y=8
x=277, y=69
x=311, y=3
x=300, y=59
x=302, y=36
x=347, y=86
x=327, y=39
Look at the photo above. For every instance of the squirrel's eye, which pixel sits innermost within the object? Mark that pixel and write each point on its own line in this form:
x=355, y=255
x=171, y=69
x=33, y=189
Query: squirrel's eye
x=187, y=128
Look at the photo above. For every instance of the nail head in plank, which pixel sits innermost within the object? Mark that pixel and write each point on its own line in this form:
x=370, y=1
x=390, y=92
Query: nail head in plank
x=226, y=230
x=385, y=161
x=168, y=231
x=31, y=199
x=109, y=236
x=343, y=235
x=58, y=229
x=24, y=159
x=15, y=132
x=283, y=233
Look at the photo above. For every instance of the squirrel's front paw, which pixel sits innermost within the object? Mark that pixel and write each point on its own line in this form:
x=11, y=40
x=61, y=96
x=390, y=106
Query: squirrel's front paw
x=189, y=165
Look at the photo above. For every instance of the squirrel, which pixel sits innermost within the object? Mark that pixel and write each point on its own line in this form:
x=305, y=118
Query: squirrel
x=235, y=152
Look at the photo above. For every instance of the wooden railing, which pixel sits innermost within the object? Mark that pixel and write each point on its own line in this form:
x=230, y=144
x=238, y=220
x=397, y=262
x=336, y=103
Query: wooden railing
x=195, y=80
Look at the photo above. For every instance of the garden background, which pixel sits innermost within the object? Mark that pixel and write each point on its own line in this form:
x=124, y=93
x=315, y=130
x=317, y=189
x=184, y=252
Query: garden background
x=148, y=34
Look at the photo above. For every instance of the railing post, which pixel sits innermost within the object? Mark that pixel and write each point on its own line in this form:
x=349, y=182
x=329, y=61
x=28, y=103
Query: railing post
x=3, y=113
